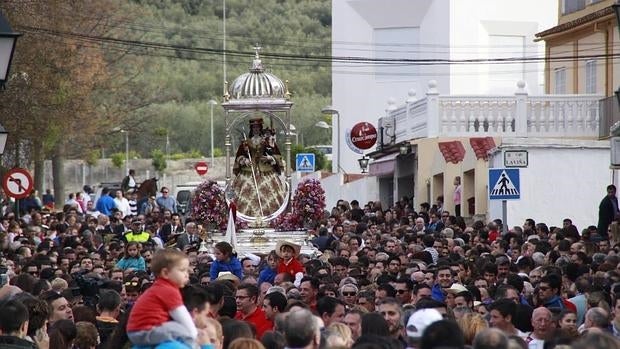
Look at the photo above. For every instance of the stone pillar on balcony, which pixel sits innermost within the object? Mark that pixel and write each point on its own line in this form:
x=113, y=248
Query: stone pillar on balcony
x=432, y=109
x=390, y=126
x=521, y=110
x=409, y=102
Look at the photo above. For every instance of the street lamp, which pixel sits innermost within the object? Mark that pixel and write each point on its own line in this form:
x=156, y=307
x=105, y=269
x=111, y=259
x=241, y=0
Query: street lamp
x=3, y=137
x=293, y=131
x=8, y=38
x=322, y=124
x=331, y=111
x=363, y=161
x=404, y=148
x=212, y=103
x=126, y=150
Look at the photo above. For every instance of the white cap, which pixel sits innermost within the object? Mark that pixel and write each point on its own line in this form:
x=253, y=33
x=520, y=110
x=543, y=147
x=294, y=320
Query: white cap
x=420, y=320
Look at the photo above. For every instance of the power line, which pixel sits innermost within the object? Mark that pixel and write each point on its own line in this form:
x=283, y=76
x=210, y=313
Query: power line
x=318, y=58
x=150, y=28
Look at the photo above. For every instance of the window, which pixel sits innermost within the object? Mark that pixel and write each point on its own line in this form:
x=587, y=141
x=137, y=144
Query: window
x=591, y=76
x=390, y=43
x=570, y=6
x=560, y=81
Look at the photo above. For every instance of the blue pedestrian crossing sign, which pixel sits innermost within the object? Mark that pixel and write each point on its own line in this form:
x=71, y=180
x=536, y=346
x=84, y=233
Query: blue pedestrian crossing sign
x=504, y=184
x=304, y=162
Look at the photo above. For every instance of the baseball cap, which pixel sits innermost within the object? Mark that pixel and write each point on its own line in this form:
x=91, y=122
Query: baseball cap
x=420, y=320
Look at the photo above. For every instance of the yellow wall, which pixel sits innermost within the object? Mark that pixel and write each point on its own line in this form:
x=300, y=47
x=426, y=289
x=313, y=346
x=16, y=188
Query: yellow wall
x=433, y=168
x=598, y=37
x=561, y=50
x=591, y=45
x=587, y=10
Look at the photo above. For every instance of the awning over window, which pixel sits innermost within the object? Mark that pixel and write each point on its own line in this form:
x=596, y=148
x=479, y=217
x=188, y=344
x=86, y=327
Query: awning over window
x=383, y=166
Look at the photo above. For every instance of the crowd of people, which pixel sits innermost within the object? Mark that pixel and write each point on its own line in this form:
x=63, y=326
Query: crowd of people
x=397, y=277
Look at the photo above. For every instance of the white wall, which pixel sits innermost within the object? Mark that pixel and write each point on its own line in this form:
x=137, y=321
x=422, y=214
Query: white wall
x=564, y=179
x=356, y=92
x=474, y=21
x=448, y=29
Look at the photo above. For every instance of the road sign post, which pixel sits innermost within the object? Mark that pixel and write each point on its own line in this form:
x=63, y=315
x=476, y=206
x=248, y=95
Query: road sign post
x=305, y=162
x=504, y=185
x=17, y=183
x=201, y=168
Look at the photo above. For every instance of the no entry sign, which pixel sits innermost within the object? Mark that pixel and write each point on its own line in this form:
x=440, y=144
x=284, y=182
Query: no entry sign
x=201, y=168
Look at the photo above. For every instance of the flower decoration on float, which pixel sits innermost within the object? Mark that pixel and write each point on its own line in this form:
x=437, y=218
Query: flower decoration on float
x=309, y=200
x=308, y=205
x=209, y=205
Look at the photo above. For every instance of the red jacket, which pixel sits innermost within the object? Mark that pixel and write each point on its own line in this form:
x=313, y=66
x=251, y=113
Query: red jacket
x=258, y=319
x=293, y=267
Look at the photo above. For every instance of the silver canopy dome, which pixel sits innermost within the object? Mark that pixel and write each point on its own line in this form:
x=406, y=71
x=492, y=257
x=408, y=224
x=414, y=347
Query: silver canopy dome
x=257, y=84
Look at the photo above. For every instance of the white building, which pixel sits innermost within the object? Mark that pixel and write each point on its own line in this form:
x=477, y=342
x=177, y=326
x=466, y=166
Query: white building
x=452, y=30
x=565, y=178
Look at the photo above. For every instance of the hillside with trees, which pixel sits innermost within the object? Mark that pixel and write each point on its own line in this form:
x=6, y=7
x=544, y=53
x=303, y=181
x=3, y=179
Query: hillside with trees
x=85, y=70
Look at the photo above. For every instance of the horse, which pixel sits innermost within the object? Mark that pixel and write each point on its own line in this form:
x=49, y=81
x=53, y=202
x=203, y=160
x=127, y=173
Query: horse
x=147, y=188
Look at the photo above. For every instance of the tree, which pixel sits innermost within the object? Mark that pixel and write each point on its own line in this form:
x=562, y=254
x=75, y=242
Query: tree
x=159, y=161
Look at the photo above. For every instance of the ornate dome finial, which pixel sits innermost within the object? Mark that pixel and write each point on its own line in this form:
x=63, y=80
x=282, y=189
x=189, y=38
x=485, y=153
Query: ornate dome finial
x=257, y=64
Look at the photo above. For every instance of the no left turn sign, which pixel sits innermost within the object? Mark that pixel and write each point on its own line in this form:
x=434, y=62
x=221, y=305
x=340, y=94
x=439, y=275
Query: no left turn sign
x=17, y=183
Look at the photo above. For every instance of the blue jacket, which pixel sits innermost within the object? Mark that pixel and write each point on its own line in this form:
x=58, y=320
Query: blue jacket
x=167, y=203
x=135, y=263
x=555, y=302
x=233, y=266
x=437, y=293
x=105, y=205
x=171, y=345
x=267, y=275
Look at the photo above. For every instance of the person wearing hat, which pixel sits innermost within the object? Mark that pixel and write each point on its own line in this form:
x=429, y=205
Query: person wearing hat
x=257, y=166
x=288, y=252
x=137, y=234
x=417, y=323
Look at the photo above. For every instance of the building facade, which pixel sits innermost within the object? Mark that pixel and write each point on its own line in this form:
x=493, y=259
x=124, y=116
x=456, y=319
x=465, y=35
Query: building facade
x=447, y=32
x=580, y=54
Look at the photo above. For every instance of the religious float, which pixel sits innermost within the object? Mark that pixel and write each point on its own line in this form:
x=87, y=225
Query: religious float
x=257, y=207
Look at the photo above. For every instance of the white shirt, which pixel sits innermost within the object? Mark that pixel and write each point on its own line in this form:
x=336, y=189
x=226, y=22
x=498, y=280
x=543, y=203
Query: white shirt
x=534, y=343
x=132, y=182
x=86, y=197
x=123, y=205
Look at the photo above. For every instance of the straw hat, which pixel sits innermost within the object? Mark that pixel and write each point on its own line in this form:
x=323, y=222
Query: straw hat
x=456, y=288
x=281, y=243
x=226, y=275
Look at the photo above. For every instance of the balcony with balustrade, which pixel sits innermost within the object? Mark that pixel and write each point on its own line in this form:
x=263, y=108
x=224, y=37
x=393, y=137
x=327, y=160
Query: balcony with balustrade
x=518, y=115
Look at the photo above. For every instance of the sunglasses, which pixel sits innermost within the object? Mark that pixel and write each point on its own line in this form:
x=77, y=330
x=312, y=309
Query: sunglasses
x=131, y=283
x=401, y=291
x=349, y=294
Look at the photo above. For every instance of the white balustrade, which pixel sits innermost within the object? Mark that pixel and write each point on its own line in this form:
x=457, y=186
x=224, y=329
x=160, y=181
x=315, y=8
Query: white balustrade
x=518, y=115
